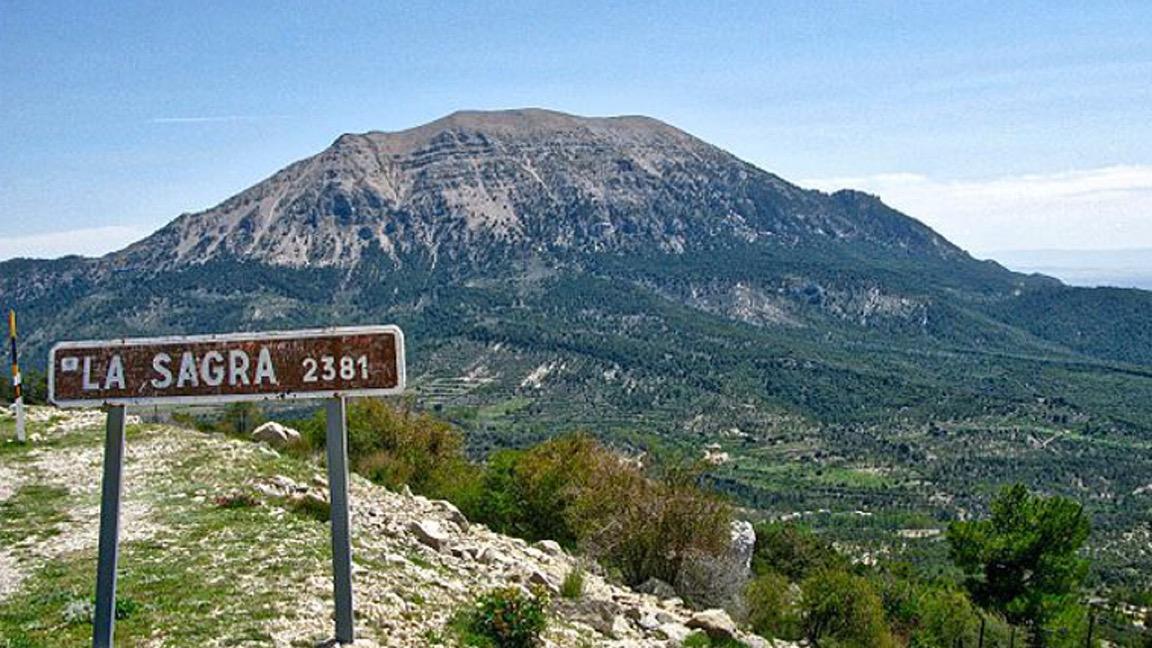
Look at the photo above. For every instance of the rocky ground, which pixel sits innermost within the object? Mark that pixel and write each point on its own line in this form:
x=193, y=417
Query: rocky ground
x=221, y=546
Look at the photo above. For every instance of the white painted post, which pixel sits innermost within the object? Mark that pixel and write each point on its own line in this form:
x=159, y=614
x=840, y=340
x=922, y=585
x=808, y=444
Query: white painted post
x=20, y=434
x=17, y=387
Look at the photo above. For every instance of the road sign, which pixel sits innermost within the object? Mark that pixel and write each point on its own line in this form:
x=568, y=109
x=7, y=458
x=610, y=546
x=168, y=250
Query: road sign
x=322, y=363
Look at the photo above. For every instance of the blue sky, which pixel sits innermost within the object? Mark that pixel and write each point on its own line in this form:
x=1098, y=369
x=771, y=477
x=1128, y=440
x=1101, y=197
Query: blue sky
x=1004, y=125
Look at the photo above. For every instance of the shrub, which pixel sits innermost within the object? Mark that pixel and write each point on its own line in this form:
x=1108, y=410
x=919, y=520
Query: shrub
x=581, y=494
x=793, y=551
x=771, y=609
x=945, y=617
x=237, y=418
x=839, y=608
x=646, y=527
x=395, y=447
x=506, y=618
x=573, y=585
x=531, y=493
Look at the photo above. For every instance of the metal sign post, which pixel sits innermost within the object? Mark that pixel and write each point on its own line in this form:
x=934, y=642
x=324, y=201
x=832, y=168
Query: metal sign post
x=329, y=363
x=337, y=443
x=104, y=622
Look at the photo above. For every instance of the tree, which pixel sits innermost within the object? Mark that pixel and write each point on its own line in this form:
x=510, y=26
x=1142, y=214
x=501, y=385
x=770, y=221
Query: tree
x=771, y=609
x=1023, y=561
x=842, y=609
x=793, y=551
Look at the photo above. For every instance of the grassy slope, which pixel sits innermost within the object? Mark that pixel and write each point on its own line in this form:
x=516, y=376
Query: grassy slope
x=196, y=574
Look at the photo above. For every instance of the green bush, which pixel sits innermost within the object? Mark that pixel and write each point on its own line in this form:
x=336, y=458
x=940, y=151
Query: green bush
x=771, y=609
x=237, y=418
x=842, y=609
x=645, y=527
x=506, y=618
x=945, y=617
x=396, y=447
x=575, y=491
x=793, y=551
x=531, y=493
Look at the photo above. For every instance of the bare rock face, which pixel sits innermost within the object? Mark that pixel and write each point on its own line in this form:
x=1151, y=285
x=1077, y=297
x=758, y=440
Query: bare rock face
x=506, y=184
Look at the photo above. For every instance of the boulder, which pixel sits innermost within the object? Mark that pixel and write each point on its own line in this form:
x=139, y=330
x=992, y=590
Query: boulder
x=715, y=623
x=550, y=547
x=491, y=556
x=540, y=578
x=430, y=533
x=657, y=588
x=453, y=514
x=275, y=435
x=599, y=614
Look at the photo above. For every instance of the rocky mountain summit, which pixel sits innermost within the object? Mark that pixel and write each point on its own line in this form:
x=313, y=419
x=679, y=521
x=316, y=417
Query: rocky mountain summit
x=513, y=184
x=200, y=570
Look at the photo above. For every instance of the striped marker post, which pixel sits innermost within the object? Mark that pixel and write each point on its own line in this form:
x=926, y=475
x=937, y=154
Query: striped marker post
x=17, y=391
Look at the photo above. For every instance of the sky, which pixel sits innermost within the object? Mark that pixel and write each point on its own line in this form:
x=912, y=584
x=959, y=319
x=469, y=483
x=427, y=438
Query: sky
x=1004, y=125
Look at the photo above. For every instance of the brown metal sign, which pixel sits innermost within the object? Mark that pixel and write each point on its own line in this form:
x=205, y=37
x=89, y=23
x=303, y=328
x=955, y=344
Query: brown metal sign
x=351, y=361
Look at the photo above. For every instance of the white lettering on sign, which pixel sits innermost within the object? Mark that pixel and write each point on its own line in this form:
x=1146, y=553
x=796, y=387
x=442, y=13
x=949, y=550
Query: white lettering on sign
x=264, y=368
x=160, y=365
x=237, y=368
x=115, y=377
x=327, y=365
x=87, y=383
x=211, y=369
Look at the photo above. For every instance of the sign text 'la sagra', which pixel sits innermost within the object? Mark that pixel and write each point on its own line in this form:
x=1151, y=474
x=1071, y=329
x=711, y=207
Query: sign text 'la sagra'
x=350, y=361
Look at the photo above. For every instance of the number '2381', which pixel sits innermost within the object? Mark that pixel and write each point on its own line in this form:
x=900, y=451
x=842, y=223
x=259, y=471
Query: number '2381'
x=328, y=368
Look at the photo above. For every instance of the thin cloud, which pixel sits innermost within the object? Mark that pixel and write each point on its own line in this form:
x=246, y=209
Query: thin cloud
x=1103, y=208
x=89, y=241
x=214, y=119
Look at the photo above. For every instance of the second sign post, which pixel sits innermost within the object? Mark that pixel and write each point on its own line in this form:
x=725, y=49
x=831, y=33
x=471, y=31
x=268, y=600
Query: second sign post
x=329, y=363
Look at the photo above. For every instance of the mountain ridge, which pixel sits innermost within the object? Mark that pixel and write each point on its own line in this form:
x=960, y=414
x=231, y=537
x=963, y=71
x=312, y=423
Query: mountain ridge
x=660, y=293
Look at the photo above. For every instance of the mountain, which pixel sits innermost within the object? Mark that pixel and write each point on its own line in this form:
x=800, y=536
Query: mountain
x=617, y=274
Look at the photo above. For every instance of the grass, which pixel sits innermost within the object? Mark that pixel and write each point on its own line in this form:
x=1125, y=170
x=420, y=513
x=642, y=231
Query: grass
x=192, y=582
x=192, y=596
x=700, y=639
x=34, y=512
x=573, y=585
